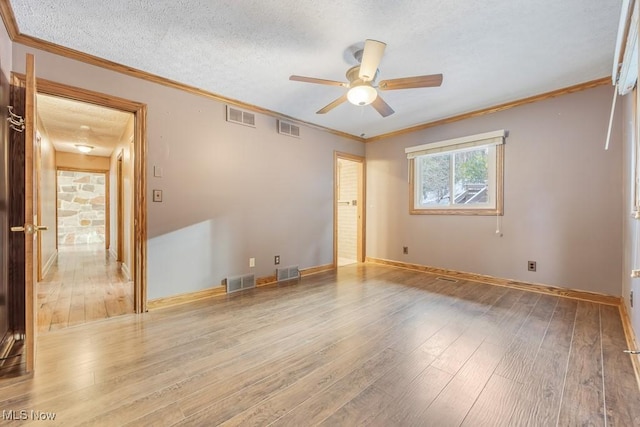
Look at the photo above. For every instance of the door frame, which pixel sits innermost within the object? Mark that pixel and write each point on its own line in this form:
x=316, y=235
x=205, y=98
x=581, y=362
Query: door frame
x=139, y=110
x=37, y=176
x=361, y=237
x=119, y=208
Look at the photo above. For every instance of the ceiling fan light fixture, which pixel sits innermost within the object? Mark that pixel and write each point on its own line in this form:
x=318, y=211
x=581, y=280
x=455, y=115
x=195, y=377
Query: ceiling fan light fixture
x=361, y=79
x=84, y=148
x=362, y=94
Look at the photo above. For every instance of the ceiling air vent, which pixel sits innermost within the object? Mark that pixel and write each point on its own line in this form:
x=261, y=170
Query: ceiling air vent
x=286, y=128
x=241, y=117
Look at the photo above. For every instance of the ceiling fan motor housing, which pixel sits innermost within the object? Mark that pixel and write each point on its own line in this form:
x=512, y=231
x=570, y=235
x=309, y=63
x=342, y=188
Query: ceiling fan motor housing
x=354, y=77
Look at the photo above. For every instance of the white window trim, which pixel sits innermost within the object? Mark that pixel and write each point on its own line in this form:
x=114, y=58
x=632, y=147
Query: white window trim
x=496, y=172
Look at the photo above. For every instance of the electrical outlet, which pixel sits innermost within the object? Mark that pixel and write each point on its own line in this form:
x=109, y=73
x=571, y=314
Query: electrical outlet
x=157, y=195
x=405, y=250
x=252, y=262
x=531, y=265
x=276, y=259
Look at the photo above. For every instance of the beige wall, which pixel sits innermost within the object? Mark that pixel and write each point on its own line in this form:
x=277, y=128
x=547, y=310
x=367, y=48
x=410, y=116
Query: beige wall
x=562, y=206
x=231, y=192
x=228, y=191
x=125, y=146
x=81, y=161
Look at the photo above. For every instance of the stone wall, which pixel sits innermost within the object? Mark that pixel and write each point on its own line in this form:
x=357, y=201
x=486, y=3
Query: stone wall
x=81, y=208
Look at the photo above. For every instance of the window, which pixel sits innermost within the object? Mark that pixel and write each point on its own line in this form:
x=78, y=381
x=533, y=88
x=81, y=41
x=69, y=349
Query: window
x=461, y=176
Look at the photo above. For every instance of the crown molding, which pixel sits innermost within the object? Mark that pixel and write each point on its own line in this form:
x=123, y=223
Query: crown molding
x=9, y=19
x=14, y=33
x=496, y=108
x=11, y=25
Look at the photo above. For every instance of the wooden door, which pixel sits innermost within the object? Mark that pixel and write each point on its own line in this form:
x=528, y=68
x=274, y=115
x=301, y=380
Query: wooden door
x=25, y=170
x=354, y=205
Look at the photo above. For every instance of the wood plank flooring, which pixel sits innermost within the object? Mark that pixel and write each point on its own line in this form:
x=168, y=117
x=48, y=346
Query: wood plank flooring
x=365, y=345
x=83, y=285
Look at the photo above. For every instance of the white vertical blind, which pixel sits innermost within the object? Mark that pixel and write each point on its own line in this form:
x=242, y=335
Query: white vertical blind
x=625, y=73
x=625, y=60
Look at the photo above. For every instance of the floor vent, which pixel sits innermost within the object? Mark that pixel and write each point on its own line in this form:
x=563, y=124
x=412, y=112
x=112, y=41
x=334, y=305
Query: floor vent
x=241, y=117
x=447, y=279
x=287, y=273
x=286, y=128
x=239, y=283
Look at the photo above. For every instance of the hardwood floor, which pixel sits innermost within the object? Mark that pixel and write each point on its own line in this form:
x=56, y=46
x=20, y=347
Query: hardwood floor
x=366, y=345
x=83, y=285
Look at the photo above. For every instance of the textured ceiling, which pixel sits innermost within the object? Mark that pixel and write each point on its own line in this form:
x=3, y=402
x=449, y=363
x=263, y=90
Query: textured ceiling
x=490, y=51
x=71, y=122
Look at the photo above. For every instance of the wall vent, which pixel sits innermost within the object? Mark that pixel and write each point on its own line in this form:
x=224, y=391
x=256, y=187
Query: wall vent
x=241, y=117
x=287, y=273
x=287, y=128
x=239, y=283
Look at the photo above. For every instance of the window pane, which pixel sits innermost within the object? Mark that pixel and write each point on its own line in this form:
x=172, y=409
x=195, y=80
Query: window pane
x=458, y=180
x=435, y=173
x=471, y=176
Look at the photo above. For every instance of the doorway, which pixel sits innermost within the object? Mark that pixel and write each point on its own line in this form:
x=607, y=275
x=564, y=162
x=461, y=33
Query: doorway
x=131, y=163
x=349, y=218
x=82, y=283
x=86, y=281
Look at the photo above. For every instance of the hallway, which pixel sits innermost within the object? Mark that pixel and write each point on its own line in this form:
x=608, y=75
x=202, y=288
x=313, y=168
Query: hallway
x=83, y=285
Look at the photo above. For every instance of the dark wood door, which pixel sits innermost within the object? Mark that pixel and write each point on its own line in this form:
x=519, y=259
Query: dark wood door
x=24, y=227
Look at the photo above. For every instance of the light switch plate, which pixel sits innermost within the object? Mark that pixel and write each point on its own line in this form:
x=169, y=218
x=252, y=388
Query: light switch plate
x=157, y=171
x=157, y=195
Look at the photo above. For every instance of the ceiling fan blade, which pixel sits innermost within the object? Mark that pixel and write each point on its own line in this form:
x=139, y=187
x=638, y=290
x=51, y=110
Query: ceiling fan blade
x=318, y=81
x=371, y=57
x=382, y=107
x=332, y=105
x=431, y=80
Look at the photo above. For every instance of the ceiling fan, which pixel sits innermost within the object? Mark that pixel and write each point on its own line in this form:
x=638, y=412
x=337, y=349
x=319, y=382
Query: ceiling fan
x=362, y=78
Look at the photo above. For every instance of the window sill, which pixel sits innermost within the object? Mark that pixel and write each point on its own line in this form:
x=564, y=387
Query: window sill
x=467, y=212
